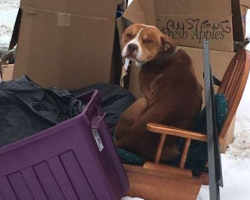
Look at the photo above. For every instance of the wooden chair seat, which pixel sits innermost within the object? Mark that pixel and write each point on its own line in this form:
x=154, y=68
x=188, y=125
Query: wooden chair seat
x=155, y=181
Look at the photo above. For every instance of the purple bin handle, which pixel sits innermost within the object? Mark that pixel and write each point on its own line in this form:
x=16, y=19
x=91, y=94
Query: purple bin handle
x=93, y=109
x=97, y=121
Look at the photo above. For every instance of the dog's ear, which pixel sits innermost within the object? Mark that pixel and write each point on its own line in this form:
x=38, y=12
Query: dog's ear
x=167, y=43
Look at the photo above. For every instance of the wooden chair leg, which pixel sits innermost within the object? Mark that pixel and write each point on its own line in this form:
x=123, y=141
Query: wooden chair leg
x=160, y=148
x=184, y=153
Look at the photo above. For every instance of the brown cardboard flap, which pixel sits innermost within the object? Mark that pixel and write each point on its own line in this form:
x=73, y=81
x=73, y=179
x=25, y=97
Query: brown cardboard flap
x=148, y=7
x=193, y=7
x=134, y=13
x=191, y=30
x=141, y=11
x=219, y=62
x=96, y=8
x=245, y=3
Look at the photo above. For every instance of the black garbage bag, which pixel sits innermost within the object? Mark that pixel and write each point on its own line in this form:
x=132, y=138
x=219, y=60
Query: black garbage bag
x=115, y=100
x=26, y=109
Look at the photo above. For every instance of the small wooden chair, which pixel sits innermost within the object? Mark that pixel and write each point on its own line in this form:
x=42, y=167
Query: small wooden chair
x=155, y=181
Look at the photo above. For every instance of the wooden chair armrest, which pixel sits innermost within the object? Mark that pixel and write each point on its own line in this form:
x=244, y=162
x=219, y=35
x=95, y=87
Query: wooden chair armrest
x=167, y=130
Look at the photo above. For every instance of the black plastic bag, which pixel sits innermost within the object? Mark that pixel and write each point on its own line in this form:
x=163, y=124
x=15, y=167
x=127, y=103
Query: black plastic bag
x=115, y=100
x=26, y=109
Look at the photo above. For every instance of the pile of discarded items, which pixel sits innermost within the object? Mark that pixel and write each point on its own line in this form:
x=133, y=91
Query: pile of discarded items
x=64, y=86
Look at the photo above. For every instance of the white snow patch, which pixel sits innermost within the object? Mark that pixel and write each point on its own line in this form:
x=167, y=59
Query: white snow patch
x=236, y=180
x=129, y=2
x=8, y=12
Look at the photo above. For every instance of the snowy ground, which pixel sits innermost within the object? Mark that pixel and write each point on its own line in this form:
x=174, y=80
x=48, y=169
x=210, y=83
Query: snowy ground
x=8, y=11
x=236, y=162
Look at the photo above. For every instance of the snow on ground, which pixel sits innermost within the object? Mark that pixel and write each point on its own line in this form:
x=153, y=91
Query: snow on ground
x=236, y=162
x=8, y=12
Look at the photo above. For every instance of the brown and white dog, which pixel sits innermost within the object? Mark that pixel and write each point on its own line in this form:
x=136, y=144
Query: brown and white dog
x=171, y=93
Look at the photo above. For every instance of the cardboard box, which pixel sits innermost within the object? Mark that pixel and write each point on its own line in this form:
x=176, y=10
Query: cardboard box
x=66, y=43
x=245, y=3
x=219, y=63
x=188, y=22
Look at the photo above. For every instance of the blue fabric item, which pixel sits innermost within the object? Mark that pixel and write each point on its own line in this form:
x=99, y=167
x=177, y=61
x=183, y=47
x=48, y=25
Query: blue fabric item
x=197, y=154
x=221, y=115
x=119, y=14
x=221, y=111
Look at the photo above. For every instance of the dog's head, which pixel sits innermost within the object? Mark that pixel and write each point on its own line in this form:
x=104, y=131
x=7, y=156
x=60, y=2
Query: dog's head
x=142, y=43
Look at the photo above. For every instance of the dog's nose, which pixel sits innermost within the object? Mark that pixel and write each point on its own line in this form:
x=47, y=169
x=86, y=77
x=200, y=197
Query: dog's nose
x=132, y=47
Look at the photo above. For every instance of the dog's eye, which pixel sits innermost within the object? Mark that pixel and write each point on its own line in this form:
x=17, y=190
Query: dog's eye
x=148, y=41
x=129, y=35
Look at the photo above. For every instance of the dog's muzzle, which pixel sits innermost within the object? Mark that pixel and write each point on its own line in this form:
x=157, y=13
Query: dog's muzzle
x=132, y=50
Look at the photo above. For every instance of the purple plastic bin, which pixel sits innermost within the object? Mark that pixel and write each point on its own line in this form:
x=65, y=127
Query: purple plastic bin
x=75, y=160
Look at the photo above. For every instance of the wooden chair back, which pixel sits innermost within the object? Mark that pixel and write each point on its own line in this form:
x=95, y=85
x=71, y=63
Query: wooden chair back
x=233, y=85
